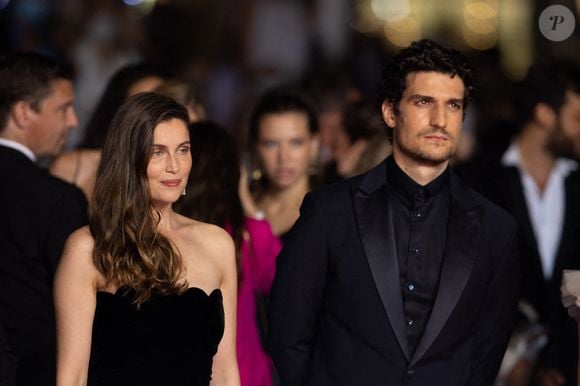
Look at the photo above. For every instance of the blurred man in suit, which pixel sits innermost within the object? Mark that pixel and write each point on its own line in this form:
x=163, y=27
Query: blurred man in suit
x=538, y=181
x=38, y=211
x=403, y=275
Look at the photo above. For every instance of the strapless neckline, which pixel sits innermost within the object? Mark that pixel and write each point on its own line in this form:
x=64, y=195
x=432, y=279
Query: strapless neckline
x=121, y=291
x=166, y=340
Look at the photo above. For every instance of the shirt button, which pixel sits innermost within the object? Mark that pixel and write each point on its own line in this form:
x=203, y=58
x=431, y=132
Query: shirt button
x=410, y=373
x=410, y=322
x=411, y=287
x=414, y=250
x=418, y=214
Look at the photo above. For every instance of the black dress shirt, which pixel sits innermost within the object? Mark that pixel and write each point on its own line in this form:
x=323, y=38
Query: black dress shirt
x=420, y=218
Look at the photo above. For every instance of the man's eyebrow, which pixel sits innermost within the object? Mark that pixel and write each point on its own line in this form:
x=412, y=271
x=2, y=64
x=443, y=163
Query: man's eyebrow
x=66, y=104
x=421, y=96
x=430, y=98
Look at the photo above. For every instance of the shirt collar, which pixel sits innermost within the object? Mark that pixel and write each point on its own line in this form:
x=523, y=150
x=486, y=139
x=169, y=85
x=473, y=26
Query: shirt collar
x=512, y=157
x=19, y=147
x=411, y=190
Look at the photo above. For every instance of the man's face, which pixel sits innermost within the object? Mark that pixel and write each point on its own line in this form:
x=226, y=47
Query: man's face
x=564, y=140
x=50, y=125
x=428, y=122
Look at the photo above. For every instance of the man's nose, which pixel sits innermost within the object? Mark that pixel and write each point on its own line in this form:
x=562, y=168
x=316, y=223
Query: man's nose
x=438, y=117
x=72, y=119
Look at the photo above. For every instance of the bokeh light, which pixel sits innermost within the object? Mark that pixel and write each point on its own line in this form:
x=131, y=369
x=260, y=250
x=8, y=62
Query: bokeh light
x=402, y=30
x=387, y=9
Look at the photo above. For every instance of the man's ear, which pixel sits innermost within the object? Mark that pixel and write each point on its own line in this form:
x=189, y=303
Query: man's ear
x=545, y=116
x=20, y=113
x=389, y=113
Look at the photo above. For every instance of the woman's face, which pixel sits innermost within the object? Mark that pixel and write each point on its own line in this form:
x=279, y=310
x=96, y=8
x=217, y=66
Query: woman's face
x=286, y=148
x=170, y=162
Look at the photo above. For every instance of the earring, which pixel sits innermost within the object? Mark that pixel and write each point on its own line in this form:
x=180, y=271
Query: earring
x=183, y=193
x=256, y=174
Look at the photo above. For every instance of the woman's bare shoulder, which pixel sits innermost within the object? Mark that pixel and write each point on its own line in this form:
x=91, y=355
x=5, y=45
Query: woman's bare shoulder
x=212, y=239
x=81, y=239
x=64, y=165
x=77, y=258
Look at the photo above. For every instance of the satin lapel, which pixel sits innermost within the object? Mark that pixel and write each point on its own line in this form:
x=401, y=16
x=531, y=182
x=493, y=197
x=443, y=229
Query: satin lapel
x=378, y=238
x=463, y=234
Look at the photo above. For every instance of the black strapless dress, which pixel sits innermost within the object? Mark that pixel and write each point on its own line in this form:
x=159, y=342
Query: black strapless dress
x=170, y=340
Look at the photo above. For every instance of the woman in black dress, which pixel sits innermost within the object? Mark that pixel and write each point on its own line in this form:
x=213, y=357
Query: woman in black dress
x=145, y=296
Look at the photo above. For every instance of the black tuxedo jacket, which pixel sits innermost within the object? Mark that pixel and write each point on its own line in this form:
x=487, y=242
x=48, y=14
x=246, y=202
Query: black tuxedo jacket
x=502, y=185
x=336, y=315
x=37, y=214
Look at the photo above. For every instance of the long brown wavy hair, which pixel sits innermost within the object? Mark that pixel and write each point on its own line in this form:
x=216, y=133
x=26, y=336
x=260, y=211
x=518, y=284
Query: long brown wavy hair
x=129, y=251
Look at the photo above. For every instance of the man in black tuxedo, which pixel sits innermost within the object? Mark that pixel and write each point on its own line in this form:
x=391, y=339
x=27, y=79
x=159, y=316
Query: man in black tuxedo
x=403, y=275
x=38, y=211
x=538, y=181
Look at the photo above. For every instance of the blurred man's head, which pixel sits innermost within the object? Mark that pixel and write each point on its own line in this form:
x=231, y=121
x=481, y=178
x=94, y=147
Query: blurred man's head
x=550, y=99
x=36, y=102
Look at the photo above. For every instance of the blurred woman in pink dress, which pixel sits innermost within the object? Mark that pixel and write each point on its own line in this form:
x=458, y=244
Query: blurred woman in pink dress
x=212, y=196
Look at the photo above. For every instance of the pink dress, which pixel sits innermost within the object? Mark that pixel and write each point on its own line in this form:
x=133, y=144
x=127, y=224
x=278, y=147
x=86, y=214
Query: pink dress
x=258, y=263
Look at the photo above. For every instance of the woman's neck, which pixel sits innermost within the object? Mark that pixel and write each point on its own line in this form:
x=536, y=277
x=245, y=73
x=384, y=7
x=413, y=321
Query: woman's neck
x=167, y=218
x=289, y=195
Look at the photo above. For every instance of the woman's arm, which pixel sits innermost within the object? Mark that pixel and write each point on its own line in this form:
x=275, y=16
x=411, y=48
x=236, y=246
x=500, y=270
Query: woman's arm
x=225, y=365
x=74, y=296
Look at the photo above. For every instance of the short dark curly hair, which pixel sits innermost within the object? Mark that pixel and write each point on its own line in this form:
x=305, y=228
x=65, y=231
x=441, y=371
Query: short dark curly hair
x=424, y=55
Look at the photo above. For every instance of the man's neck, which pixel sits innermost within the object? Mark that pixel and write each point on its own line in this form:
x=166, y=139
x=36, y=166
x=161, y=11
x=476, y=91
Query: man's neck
x=422, y=173
x=18, y=146
x=536, y=159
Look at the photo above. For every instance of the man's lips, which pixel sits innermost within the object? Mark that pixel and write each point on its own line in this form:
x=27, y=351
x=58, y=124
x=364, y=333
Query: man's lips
x=436, y=137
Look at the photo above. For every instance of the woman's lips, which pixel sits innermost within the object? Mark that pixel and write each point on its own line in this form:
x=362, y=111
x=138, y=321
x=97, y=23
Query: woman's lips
x=171, y=183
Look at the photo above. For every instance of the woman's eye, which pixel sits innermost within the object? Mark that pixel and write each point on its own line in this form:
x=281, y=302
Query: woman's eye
x=268, y=144
x=297, y=142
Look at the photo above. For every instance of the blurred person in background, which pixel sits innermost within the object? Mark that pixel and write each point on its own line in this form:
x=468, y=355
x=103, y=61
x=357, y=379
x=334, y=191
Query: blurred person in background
x=79, y=166
x=212, y=197
x=38, y=210
x=332, y=90
x=538, y=181
x=283, y=148
x=186, y=93
x=145, y=296
x=359, y=144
